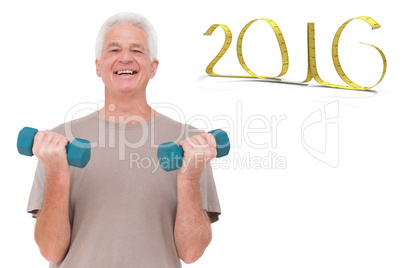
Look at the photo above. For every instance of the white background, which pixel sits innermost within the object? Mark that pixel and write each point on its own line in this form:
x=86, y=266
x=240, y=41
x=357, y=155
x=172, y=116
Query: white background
x=309, y=214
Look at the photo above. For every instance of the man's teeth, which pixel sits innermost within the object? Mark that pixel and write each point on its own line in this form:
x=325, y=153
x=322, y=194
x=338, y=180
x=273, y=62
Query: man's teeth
x=125, y=72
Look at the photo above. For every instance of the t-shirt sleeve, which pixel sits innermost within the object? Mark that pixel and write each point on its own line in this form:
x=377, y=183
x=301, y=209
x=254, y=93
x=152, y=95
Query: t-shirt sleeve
x=209, y=195
x=35, y=201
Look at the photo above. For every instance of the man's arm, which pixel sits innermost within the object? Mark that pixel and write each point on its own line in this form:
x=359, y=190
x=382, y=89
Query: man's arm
x=193, y=228
x=53, y=230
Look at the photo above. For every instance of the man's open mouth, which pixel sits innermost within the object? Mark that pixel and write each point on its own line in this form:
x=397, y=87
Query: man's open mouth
x=125, y=72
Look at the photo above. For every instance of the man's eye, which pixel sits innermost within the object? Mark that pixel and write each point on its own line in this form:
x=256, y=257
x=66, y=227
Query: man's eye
x=114, y=50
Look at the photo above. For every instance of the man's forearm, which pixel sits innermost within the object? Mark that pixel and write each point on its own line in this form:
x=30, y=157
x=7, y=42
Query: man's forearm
x=53, y=229
x=193, y=227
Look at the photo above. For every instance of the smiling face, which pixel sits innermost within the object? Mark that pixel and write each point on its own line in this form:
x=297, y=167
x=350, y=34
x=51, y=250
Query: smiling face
x=125, y=65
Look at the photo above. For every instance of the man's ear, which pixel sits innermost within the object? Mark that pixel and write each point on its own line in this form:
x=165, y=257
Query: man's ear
x=97, y=68
x=154, y=67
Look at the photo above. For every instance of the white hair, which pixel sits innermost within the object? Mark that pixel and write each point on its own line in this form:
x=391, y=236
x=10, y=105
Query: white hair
x=135, y=19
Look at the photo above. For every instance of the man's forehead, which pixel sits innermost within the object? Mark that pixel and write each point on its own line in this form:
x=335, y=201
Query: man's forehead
x=126, y=30
x=126, y=34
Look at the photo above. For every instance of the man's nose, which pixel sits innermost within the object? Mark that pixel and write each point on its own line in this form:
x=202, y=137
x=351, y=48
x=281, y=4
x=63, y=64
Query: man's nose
x=125, y=56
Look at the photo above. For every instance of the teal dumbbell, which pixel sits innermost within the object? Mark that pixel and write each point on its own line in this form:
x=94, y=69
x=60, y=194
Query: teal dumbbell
x=170, y=155
x=78, y=151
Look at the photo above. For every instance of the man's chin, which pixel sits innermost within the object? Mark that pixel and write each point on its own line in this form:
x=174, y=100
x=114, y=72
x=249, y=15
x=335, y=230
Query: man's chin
x=125, y=88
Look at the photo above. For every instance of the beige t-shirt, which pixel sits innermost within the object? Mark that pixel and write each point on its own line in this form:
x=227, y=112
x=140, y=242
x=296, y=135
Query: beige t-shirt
x=123, y=204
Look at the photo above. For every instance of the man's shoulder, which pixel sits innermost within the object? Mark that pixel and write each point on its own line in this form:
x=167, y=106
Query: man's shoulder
x=77, y=125
x=166, y=121
x=172, y=130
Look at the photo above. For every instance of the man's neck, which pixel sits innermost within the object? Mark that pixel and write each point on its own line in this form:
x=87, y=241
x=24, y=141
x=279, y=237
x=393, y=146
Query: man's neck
x=127, y=111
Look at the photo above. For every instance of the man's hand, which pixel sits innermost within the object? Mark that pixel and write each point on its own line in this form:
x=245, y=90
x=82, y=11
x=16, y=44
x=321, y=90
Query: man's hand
x=50, y=148
x=199, y=150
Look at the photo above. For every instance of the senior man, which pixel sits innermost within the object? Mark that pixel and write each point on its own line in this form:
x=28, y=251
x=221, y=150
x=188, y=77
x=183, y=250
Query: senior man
x=113, y=213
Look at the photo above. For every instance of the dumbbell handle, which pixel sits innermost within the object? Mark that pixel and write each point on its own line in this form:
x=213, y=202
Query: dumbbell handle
x=170, y=155
x=78, y=151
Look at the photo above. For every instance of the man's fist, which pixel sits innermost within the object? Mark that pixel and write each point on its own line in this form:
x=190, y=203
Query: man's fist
x=50, y=148
x=199, y=150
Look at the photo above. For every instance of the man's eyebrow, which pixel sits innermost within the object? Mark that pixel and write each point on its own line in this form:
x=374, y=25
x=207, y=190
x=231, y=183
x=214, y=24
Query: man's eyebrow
x=112, y=44
x=137, y=45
